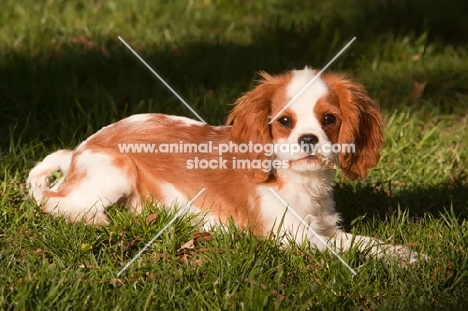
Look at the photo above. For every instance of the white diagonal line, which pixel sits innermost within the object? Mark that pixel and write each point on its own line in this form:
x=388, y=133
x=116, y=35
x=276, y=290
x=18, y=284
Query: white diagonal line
x=320, y=238
x=159, y=233
x=311, y=81
x=162, y=80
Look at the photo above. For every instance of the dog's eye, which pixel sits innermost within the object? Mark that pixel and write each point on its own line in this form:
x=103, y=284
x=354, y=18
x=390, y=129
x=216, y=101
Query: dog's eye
x=328, y=119
x=285, y=122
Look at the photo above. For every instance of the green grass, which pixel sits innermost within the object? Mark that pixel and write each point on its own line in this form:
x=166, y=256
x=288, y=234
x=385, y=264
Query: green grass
x=64, y=75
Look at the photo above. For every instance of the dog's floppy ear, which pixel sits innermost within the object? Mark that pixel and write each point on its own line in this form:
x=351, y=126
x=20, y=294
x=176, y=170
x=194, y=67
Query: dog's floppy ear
x=249, y=120
x=361, y=125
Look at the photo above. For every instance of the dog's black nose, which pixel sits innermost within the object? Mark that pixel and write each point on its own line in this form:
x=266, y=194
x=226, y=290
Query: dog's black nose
x=308, y=140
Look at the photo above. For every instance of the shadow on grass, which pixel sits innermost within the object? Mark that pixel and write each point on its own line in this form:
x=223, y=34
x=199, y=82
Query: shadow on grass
x=380, y=200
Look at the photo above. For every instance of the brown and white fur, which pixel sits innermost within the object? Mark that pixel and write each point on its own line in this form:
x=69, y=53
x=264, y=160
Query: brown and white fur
x=333, y=110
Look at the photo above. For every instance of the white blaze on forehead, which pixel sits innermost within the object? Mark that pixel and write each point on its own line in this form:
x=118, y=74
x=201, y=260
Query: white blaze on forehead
x=303, y=106
x=309, y=96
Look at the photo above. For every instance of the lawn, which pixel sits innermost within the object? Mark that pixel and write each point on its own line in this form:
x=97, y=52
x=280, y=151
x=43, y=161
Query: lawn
x=64, y=74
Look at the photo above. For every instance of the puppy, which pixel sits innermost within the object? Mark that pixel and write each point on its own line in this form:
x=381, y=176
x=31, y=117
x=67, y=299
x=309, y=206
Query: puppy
x=268, y=149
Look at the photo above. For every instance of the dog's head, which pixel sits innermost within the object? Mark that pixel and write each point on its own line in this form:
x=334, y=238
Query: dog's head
x=332, y=118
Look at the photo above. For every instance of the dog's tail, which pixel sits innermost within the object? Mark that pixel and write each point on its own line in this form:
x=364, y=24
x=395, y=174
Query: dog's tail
x=49, y=174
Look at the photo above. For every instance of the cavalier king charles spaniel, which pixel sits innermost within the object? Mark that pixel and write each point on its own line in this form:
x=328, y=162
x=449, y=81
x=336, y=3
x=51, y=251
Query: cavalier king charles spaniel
x=157, y=158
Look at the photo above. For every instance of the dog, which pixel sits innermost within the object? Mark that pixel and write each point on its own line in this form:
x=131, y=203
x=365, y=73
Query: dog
x=125, y=162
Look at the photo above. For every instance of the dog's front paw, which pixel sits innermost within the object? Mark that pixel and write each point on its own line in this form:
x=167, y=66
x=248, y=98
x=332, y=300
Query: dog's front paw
x=405, y=255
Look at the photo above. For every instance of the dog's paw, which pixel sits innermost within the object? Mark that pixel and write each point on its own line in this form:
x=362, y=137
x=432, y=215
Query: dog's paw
x=37, y=182
x=405, y=255
x=99, y=219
